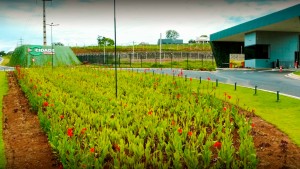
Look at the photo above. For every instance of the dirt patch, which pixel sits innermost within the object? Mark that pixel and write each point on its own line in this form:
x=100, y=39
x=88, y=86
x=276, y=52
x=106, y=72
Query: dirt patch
x=274, y=148
x=26, y=145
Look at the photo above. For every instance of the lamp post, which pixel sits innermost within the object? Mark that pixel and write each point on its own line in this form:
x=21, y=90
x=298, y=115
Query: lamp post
x=115, y=32
x=52, y=41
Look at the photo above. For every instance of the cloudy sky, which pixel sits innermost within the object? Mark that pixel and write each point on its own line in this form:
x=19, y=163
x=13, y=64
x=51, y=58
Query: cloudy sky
x=81, y=21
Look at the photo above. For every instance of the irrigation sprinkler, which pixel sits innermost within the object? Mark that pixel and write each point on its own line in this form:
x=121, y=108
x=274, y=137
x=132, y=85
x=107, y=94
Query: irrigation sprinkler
x=255, y=90
x=277, y=96
x=217, y=84
x=185, y=77
x=200, y=79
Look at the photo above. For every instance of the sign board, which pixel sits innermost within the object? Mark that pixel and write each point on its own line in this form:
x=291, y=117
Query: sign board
x=237, y=61
x=38, y=50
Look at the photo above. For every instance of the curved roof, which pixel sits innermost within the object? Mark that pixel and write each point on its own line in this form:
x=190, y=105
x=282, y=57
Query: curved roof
x=286, y=20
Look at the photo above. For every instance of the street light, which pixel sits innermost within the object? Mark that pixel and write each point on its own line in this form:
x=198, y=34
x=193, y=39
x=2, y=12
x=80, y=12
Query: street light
x=115, y=32
x=52, y=40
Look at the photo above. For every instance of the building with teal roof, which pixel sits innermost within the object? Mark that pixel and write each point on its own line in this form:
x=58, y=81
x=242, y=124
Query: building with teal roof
x=266, y=42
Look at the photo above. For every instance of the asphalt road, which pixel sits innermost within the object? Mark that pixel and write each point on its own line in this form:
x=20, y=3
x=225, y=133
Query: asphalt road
x=266, y=80
x=5, y=68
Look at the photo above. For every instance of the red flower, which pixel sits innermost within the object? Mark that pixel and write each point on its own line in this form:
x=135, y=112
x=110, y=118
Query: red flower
x=224, y=108
x=180, y=130
x=47, y=95
x=61, y=116
x=190, y=133
x=45, y=104
x=208, y=78
x=83, y=130
x=92, y=150
x=70, y=132
x=191, y=79
x=173, y=123
x=150, y=112
x=218, y=144
x=252, y=125
x=229, y=97
x=117, y=147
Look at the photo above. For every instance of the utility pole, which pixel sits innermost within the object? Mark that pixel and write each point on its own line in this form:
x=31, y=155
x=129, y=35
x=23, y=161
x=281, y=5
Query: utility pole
x=21, y=41
x=52, y=51
x=160, y=49
x=44, y=22
x=115, y=32
x=104, y=50
x=133, y=51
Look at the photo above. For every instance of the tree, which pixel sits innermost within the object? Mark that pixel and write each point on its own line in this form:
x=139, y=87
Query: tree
x=58, y=44
x=2, y=53
x=192, y=41
x=105, y=41
x=172, y=34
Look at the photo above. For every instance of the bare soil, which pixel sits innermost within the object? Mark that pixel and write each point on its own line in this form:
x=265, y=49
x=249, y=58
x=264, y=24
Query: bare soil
x=26, y=145
x=273, y=147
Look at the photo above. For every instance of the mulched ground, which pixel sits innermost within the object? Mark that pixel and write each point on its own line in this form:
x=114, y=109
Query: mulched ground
x=26, y=145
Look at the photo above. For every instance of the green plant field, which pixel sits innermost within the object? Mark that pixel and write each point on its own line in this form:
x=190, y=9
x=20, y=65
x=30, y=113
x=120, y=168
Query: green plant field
x=165, y=47
x=3, y=90
x=159, y=122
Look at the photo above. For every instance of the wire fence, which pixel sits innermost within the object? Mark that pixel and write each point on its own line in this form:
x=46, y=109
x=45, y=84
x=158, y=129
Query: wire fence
x=186, y=60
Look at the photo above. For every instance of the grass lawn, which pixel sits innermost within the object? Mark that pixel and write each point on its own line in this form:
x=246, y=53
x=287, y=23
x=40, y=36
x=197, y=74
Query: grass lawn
x=297, y=73
x=3, y=90
x=284, y=114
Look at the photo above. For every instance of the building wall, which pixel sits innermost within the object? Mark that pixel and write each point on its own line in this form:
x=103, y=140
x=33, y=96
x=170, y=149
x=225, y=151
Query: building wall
x=250, y=39
x=282, y=44
x=258, y=63
x=170, y=41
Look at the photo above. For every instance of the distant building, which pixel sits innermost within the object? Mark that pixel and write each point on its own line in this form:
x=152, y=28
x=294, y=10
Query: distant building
x=269, y=41
x=170, y=41
x=202, y=39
